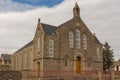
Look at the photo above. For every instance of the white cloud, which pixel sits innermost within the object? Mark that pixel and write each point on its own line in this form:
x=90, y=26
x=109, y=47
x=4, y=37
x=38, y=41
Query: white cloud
x=9, y=6
x=101, y=16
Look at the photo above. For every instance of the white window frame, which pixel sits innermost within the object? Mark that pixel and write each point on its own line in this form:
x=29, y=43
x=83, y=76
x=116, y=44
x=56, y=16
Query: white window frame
x=51, y=48
x=78, y=39
x=70, y=39
x=84, y=42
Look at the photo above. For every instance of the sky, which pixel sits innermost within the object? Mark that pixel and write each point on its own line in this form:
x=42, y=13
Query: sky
x=48, y=3
x=18, y=20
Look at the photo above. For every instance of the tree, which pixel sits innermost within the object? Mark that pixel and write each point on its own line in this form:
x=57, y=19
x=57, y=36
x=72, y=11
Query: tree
x=108, y=59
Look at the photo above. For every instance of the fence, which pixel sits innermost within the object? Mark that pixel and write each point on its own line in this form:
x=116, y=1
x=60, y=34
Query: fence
x=67, y=75
x=55, y=75
x=106, y=76
x=117, y=75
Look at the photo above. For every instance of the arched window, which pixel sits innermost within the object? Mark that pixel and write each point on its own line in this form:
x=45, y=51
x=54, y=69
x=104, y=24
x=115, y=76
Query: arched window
x=66, y=60
x=51, y=48
x=77, y=38
x=84, y=41
x=25, y=60
x=38, y=44
x=98, y=53
x=70, y=39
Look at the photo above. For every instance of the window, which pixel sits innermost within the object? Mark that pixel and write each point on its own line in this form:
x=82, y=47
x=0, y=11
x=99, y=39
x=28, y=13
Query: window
x=71, y=39
x=5, y=62
x=98, y=53
x=31, y=58
x=77, y=38
x=16, y=62
x=38, y=44
x=51, y=48
x=66, y=60
x=20, y=61
x=25, y=63
x=84, y=41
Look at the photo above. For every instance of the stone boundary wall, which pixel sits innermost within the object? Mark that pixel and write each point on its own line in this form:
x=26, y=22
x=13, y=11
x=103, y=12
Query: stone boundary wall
x=10, y=75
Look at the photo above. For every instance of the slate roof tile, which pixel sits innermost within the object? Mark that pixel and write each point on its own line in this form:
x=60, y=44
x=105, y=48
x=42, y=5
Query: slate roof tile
x=48, y=29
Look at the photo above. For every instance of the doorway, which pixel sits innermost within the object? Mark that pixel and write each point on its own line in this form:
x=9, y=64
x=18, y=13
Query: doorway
x=78, y=65
x=38, y=69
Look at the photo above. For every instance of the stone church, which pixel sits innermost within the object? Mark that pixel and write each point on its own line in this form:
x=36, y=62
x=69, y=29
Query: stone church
x=59, y=51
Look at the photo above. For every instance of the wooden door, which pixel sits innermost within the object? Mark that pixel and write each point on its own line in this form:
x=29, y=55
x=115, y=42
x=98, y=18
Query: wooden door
x=78, y=65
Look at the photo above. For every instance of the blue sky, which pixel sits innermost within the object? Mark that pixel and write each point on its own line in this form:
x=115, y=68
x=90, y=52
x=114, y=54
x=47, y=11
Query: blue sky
x=48, y=3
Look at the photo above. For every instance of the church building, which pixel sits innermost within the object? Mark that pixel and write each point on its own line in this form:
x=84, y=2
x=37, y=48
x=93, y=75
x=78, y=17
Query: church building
x=61, y=51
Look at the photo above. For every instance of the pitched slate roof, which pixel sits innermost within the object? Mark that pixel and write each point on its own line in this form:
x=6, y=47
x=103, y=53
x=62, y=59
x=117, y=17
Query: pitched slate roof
x=96, y=40
x=6, y=57
x=48, y=29
x=117, y=63
x=27, y=45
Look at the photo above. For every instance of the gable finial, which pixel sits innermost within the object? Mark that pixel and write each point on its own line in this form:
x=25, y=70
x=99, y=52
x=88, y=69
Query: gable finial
x=76, y=10
x=38, y=19
x=94, y=34
x=75, y=3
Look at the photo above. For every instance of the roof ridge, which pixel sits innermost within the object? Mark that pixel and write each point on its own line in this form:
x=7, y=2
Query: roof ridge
x=25, y=46
x=49, y=24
